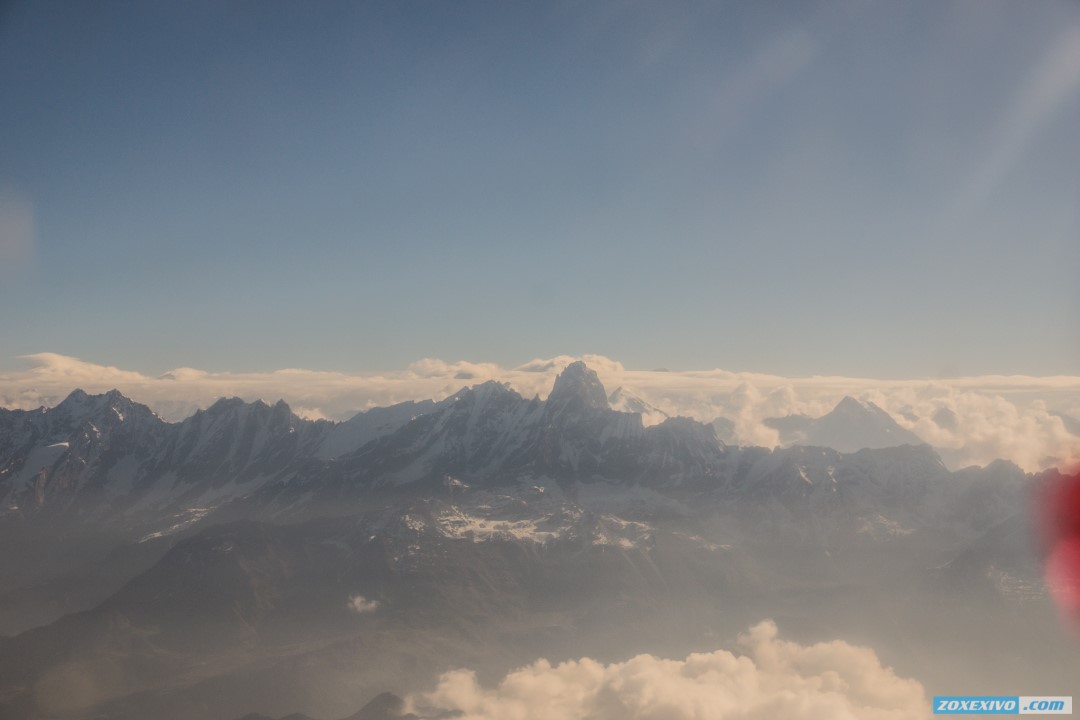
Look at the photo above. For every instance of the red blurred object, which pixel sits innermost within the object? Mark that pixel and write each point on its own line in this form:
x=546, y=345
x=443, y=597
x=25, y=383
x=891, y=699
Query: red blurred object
x=1058, y=515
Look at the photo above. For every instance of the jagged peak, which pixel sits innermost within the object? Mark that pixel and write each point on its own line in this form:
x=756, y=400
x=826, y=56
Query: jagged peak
x=80, y=399
x=104, y=409
x=685, y=426
x=849, y=404
x=484, y=392
x=578, y=385
x=223, y=404
x=75, y=397
x=491, y=385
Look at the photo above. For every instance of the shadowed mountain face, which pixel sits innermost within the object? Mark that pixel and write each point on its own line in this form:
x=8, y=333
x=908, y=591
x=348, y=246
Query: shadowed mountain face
x=109, y=457
x=577, y=390
x=247, y=560
x=92, y=457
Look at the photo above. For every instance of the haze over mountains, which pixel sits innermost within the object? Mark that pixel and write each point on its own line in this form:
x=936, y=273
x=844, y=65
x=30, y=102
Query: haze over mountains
x=247, y=559
x=107, y=450
x=282, y=431
x=973, y=420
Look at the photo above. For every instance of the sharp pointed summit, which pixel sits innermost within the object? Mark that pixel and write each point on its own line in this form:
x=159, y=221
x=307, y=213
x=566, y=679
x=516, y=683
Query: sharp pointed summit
x=577, y=388
x=850, y=426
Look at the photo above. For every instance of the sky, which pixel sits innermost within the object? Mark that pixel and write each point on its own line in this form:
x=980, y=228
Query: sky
x=876, y=190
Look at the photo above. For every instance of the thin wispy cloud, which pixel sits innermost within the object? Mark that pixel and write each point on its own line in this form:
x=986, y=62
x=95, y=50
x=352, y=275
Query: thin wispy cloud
x=976, y=419
x=775, y=64
x=17, y=235
x=1053, y=82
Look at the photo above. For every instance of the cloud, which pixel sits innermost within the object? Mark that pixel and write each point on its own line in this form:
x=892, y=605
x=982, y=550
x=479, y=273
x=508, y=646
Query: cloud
x=360, y=604
x=599, y=363
x=989, y=417
x=309, y=413
x=762, y=73
x=1051, y=85
x=461, y=370
x=17, y=238
x=773, y=679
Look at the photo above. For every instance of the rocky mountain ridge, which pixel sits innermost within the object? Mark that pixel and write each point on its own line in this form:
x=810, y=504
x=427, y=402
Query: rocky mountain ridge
x=108, y=457
x=243, y=557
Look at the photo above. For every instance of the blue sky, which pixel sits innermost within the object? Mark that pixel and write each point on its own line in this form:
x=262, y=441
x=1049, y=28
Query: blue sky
x=872, y=189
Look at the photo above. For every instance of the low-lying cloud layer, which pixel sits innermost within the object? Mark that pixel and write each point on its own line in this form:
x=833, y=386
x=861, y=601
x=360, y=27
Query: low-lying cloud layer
x=974, y=419
x=773, y=679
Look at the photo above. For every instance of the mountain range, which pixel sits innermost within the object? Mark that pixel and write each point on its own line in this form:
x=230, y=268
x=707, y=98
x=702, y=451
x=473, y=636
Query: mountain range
x=249, y=560
x=109, y=456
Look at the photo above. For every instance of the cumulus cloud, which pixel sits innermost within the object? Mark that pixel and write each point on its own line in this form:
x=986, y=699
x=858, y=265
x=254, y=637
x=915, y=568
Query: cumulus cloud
x=310, y=413
x=360, y=604
x=774, y=678
x=974, y=420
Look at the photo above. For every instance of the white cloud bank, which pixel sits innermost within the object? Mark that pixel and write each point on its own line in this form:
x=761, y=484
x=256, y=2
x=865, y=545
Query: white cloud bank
x=773, y=679
x=976, y=419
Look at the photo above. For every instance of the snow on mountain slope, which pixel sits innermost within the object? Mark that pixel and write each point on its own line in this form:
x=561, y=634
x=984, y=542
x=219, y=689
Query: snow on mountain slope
x=364, y=427
x=234, y=441
x=254, y=531
x=577, y=389
x=471, y=433
x=491, y=434
x=107, y=452
x=86, y=444
x=120, y=458
x=626, y=401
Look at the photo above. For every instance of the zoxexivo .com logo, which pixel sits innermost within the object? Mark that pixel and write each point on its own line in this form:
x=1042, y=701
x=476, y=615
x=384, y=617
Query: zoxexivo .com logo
x=1001, y=705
